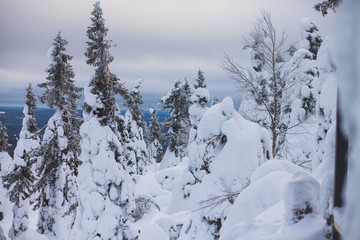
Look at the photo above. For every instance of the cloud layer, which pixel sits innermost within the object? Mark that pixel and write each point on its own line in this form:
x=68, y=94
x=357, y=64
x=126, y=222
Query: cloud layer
x=159, y=41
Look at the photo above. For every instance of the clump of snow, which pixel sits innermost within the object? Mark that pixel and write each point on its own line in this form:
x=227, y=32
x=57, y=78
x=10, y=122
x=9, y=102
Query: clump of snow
x=227, y=107
x=168, y=177
x=169, y=160
x=6, y=164
x=200, y=93
x=301, y=197
x=50, y=55
x=91, y=100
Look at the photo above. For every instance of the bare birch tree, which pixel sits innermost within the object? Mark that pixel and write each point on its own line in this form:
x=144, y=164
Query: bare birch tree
x=265, y=85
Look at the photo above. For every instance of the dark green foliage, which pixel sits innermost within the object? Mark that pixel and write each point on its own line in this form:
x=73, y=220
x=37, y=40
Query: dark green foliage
x=3, y=138
x=327, y=5
x=200, y=81
x=177, y=102
x=314, y=39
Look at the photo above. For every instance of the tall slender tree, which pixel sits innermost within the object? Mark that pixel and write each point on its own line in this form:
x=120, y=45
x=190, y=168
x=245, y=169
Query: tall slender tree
x=107, y=202
x=3, y=138
x=266, y=85
x=177, y=102
x=104, y=85
x=199, y=100
x=20, y=181
x=136, y=155
x=60, y=147
x=155, y=148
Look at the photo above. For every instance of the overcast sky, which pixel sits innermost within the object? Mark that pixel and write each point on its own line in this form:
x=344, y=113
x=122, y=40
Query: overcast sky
x=159, y=40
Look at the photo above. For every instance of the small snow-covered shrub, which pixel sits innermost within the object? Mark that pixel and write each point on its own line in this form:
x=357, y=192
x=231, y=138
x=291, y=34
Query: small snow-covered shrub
x=301, y=197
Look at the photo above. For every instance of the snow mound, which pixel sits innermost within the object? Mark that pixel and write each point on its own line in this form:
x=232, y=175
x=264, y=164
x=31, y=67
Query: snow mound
x=301, y=197
x=256, y=198
x=272, y=166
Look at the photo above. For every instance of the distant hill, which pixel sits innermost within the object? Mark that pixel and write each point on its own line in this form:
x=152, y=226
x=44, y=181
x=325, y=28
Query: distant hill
x=11, y=118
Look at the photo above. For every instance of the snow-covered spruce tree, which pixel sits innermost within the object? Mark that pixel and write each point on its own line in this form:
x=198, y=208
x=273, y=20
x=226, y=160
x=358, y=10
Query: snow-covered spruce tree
x=177, y=102
x=4, y=145
x=155, y=147
x=266, y=85
x=106, y=190
x=5, y=159
x=199, y=100
x=135, y=152
x=29, y=127
x=326, y=87
x=58, y=153
x=21, y=179
x=309, y=40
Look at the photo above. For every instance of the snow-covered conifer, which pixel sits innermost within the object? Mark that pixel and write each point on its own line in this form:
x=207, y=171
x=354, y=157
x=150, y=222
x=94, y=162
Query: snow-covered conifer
x=104, y=84
x=21, y=179
x=310, y=38
x=58, y=153
x=29, y=126
x=200, y=81
x=199, y=100
x=3, y=138
x=177, y=102
x=107, y=201
x=135, y=153
x=326, y=87
x=155, y=148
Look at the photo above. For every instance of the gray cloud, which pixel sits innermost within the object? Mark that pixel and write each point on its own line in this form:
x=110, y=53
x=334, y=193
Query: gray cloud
x=159, y=40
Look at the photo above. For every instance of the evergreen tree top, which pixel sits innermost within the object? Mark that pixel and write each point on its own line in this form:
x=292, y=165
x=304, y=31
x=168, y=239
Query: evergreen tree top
x=98, y=47
x=60, y=90
x=180, y=88
x=30, y=100
x=29, y=126
x=200, y=81
x=133, y=100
